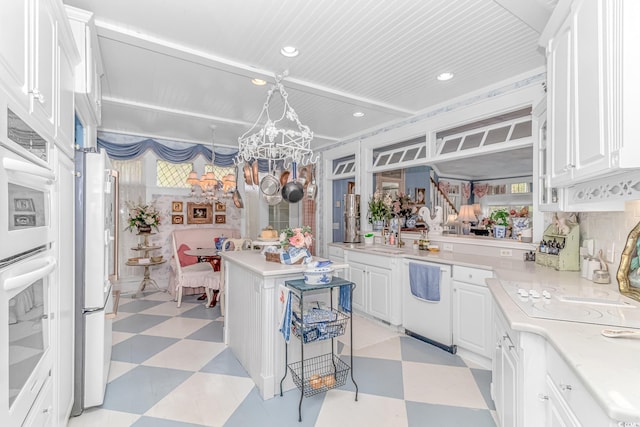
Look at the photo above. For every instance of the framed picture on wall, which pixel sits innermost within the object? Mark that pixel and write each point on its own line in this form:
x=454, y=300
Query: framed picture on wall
x=221, y=206
x=420, y=196
x=176, y=206
x=199, y=213
x=221, y=219
x=177, y=219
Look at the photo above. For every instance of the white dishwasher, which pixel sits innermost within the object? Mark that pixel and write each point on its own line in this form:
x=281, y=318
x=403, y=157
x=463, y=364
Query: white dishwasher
x=429, y=321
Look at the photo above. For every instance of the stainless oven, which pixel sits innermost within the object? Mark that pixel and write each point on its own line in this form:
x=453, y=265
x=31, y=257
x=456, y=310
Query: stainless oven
x=26, y=356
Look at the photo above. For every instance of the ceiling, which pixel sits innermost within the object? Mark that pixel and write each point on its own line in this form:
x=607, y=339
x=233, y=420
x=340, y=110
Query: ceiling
x=174, y=68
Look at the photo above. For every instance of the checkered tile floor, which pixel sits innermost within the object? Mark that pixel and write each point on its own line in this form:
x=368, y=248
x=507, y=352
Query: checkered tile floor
x=170, y=368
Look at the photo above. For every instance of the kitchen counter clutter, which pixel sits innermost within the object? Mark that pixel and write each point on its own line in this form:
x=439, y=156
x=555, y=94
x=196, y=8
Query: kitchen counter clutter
x=563, y=367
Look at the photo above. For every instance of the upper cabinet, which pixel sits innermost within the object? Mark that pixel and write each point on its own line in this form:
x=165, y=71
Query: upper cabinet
x=37, y=59
x=592, y=95
x=89, y=71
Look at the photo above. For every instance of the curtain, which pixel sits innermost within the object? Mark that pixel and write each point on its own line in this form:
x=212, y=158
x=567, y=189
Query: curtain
x=165, y=151
x=132, y=189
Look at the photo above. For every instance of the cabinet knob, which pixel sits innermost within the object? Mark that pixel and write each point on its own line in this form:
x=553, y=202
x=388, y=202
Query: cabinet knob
x=566, y=387
x=543, y=397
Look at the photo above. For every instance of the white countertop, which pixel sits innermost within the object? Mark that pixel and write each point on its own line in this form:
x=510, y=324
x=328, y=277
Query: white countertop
x=256, y=262
x=608, y=367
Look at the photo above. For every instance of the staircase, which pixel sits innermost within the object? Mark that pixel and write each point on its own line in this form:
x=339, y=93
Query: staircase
x=439, y=198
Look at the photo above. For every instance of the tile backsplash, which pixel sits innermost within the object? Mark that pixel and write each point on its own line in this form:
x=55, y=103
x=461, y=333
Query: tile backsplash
x=610, y=230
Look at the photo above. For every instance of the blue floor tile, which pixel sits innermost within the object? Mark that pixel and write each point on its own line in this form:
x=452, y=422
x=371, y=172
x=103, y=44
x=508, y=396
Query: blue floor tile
x=137, y=323
x=225, y=363
x=200, y=311
x=276, y=412
x=414, y=350
x=483, y=379
x=426, y=414
x=139, y=348
x=141, y=388
x=210, y=332
x=136, y=305
x=381, y=377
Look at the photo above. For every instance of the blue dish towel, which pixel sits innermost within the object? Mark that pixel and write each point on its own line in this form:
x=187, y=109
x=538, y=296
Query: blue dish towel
x=424, y=281
x=344, y=300
x=285, y=321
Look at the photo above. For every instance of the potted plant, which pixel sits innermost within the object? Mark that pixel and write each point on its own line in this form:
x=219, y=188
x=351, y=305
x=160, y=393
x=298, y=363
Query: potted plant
x=379, y=209
x=500, y=219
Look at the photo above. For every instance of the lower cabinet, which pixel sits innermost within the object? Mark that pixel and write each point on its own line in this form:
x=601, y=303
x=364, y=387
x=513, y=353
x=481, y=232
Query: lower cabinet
x=505, y=374
x=375, y=293
x=373, y=290
x=472, y=324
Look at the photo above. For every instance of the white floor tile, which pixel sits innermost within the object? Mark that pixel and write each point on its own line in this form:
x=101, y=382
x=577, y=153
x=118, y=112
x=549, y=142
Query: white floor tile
x=207, y=399
x=189, y=355
x=96, y=417
x=118, y=368
x=340, y=409
x=441, y=384
x=118, y=337
x=388, y=349
x=367, y=332
x=176, y=327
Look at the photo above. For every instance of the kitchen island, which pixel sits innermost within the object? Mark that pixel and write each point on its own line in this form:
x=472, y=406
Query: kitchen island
x=253, y=309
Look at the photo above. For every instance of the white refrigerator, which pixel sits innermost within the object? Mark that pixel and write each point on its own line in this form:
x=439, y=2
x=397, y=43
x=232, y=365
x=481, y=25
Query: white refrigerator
x=96, y=269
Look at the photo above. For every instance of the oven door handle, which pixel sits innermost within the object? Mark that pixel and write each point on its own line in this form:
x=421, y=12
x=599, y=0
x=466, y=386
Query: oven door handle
x=19, y=166
x=37, y=269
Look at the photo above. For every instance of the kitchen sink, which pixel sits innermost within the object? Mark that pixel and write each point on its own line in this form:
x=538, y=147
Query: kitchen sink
x=387, y=251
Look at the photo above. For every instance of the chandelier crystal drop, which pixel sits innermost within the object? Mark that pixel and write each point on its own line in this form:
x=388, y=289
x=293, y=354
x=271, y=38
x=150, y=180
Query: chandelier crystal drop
x=284, y=138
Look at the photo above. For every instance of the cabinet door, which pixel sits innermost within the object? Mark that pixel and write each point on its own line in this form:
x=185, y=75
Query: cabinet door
x=43, y=64
x=14, y=48
x=591, y=145
x=472, y=318
x=509, y=385
x=559, y=68
x=379, y=291
x=357, y=274
x=558, y=413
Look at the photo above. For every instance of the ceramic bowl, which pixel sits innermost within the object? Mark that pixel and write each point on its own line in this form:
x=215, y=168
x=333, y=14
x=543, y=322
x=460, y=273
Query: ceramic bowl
x=318, y=276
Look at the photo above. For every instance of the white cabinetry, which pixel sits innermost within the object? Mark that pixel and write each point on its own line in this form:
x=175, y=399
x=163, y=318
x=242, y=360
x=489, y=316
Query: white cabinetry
x=504, y=385
x=567, y=399
x=336, y=255
x=374, y=293
x=592, y=95
x=64, y=300
x=14, y=47
x=549, y=196
x=88, y=86
x=472, y=326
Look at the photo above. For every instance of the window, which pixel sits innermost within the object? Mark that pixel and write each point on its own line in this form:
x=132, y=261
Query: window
x=174, y=175
x=279, y=215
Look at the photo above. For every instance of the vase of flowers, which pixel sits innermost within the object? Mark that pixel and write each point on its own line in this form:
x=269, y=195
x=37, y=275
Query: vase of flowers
x=295, y=244
x=500, y=219
x=143, y=217
x=401, y=208
x=379, y=209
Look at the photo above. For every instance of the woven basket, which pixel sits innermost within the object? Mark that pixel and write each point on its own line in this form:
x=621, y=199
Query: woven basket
x=275, y=257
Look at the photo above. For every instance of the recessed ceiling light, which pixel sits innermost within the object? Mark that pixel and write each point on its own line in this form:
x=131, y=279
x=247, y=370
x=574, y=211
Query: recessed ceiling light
x=258, y=82
x=358, y=114
x=445, y=76
x=289, y=51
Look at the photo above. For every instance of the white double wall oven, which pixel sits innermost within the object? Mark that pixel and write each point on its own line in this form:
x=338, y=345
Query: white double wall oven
x=27, y=268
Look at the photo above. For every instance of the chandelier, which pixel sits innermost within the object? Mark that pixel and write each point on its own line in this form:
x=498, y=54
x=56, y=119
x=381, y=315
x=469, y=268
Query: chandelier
x=207, y=183
x=284, y=138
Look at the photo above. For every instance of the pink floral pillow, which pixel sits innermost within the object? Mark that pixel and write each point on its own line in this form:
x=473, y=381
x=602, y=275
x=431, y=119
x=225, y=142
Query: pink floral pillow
x=186, y=260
